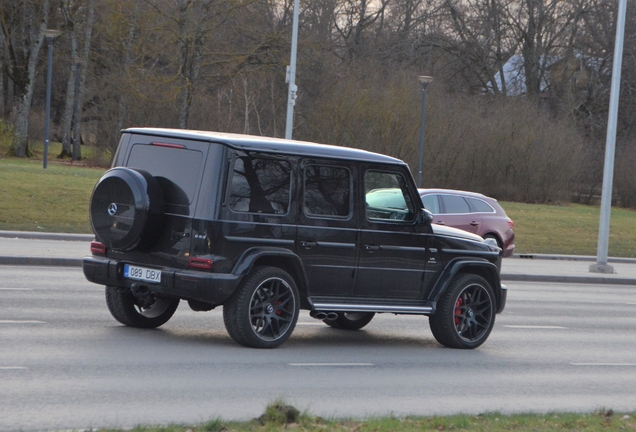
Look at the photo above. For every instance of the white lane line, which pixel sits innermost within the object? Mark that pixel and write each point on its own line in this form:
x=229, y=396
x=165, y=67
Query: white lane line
x=534, y=327
x=21, y=322
x=331, y=364
x=16, y=289
x=603, y=364
x=13, y=368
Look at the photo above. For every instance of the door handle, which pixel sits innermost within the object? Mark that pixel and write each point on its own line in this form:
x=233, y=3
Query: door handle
x=307, y=244
x=371, y=248
x=474, y=223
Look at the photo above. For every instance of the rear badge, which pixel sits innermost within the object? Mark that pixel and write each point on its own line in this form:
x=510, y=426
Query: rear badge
x=112, y=209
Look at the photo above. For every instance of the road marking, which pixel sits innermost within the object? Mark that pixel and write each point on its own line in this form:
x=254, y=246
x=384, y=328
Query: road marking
x=21, y=322
x=603, y=364
x=534, y=327
x=331, y=364
x=13, y=368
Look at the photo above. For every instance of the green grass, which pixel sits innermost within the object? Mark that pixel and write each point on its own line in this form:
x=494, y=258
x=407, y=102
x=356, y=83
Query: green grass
x=570, y=229
x=56, y=200
x=275, y=419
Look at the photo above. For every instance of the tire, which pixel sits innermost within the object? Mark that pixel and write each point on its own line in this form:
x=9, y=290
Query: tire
x=465, y=313
x=263, y=311
x=126, y=209
x=127, y=309
x=350, y=320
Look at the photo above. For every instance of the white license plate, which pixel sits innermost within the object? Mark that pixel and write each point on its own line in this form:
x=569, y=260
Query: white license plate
x=142, y=274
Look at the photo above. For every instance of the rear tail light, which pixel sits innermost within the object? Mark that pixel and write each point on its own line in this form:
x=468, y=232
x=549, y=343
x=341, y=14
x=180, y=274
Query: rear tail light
x=511, y=224
x=98, y=248
x=200, y=263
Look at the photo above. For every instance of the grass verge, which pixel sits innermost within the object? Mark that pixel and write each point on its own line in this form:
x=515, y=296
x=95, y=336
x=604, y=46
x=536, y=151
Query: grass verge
x=54, y=199
x=280, y=417
x=570, y=229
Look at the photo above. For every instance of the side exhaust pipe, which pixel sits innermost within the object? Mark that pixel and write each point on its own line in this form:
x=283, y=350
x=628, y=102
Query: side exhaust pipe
x=322, y=315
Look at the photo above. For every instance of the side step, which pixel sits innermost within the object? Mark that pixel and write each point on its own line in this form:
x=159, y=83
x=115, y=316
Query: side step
x=343, y=307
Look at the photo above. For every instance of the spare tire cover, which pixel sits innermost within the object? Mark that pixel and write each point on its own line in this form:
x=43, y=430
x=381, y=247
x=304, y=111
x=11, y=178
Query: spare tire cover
x=127, y=209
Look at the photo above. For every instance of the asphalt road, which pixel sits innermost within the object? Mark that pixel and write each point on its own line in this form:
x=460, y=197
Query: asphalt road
x=66, y=364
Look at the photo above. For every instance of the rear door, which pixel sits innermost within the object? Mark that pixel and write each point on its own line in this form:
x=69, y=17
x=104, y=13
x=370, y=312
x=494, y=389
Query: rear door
x=327, y=233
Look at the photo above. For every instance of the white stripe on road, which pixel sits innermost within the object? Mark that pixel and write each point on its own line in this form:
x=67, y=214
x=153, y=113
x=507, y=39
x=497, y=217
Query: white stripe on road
x=331, y=364
x=534, y=327
x=603, y=364
x=13, y=368
x=21, y=322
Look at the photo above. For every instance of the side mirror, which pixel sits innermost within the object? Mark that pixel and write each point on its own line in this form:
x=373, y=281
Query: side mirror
x=425, y=217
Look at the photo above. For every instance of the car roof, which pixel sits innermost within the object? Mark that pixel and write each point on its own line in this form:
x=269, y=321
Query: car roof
x=267, y=144
x=423, y=191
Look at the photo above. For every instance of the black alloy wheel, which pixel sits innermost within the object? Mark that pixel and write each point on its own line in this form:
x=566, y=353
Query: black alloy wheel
x=465, y=314
x=264, y=310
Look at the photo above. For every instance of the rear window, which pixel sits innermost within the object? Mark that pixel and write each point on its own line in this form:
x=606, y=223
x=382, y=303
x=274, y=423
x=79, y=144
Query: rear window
x=176, y=169
x=480, y=206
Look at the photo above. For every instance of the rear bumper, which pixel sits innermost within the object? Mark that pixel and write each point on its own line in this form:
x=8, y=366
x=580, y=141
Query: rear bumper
x=213, y=288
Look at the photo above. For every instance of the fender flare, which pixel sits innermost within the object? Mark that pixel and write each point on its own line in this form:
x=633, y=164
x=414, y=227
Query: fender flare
x=486, y=269
x=251, y=256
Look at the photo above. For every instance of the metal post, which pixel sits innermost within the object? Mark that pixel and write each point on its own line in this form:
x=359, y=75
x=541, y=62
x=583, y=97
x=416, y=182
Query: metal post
x=49, y=35
x=424, y=80
x=601, y=265
x=77, y=154
x=291, y=76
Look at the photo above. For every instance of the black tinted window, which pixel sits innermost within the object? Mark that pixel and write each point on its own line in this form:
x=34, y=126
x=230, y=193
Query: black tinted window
x=327, y=191
x=176, y=169
x=454, y=204
x=260, y=185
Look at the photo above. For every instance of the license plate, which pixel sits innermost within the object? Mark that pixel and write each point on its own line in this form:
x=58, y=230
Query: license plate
x=142, y=274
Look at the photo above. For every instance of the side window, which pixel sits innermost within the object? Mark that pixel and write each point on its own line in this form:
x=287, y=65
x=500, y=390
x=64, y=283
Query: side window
x=260, y=185
x=454, y=204
x=480, y=206
x=387, y=197
x=327, y=191
x=431, y=203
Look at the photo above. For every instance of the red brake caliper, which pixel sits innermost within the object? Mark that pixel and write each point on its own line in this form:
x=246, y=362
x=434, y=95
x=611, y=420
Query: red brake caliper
x=458, y=304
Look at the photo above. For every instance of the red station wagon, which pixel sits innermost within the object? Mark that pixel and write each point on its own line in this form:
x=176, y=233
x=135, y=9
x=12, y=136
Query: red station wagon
x=472, y=212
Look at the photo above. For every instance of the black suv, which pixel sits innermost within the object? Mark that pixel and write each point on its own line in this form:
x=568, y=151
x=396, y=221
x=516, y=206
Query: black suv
x=266, y=227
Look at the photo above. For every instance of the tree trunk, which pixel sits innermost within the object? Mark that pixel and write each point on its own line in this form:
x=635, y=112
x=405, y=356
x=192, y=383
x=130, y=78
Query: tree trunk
x=21, y=110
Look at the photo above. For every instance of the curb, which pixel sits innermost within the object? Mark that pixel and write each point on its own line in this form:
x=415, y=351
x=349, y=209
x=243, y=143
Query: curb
x=46, y=236
x=571, y=258
x=598, y=280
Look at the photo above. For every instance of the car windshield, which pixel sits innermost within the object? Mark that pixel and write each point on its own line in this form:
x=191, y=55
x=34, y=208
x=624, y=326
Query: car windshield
x=387, y=198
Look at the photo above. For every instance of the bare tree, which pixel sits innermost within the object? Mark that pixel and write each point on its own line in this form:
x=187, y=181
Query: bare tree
x=22, y=25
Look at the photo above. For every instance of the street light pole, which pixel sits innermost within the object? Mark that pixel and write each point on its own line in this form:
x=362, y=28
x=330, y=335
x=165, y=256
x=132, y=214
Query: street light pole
x=49, y=35
x=601, y=265
x=424, y=80
x=291, y=76
x=76, y=112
